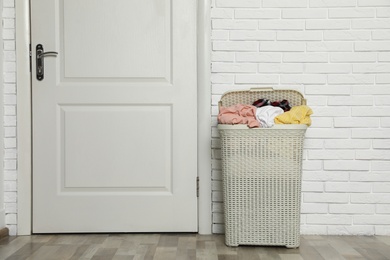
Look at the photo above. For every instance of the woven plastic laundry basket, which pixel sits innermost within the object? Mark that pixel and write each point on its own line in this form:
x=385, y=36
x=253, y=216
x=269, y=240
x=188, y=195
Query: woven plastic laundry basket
x=262, y=173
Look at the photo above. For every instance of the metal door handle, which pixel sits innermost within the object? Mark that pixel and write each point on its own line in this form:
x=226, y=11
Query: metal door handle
x=40, y=54
x=48, y=53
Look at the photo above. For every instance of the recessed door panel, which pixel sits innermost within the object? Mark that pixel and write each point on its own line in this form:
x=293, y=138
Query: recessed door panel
x=104, y=147
x=121, y=39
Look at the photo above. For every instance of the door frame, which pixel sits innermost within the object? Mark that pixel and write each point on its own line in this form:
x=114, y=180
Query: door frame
x=24, y=117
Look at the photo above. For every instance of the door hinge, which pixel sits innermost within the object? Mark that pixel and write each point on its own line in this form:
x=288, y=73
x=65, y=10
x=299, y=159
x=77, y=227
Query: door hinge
x=197, y=187
x=30, y=53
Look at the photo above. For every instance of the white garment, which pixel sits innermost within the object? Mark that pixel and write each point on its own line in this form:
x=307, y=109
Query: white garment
x=266, y=115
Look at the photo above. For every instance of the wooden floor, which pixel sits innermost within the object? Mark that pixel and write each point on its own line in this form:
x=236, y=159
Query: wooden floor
x=185, y=246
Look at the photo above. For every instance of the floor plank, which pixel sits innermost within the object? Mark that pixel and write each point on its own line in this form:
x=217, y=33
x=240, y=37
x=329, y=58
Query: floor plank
x=186, y=247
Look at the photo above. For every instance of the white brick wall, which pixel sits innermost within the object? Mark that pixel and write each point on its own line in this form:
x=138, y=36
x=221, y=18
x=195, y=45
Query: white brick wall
x=338, y=54
x=9, y=117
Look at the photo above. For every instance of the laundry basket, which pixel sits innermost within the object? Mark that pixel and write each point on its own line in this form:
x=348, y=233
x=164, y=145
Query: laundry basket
x=262, y=172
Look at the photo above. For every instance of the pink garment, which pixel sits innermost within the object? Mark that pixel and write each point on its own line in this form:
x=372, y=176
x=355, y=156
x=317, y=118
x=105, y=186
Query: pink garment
x=238, y=114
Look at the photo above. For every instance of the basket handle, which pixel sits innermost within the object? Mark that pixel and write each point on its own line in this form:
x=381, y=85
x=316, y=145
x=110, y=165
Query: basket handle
x=261, y=89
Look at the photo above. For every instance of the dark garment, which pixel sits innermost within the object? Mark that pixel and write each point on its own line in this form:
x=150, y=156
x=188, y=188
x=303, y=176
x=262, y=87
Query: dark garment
x=261, y=102
x=265, y=102
x=282, y=104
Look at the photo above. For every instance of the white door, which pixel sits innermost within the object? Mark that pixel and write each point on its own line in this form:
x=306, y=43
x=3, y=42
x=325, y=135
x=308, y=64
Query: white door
x=114, y=117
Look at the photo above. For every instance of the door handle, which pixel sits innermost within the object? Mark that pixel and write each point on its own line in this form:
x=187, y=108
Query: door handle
x=40, y=54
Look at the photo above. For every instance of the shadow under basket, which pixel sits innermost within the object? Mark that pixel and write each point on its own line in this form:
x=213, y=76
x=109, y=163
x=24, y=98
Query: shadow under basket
x=262, y=176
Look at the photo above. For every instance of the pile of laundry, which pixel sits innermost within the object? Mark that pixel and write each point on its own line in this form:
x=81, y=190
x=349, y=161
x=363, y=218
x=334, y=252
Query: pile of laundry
x=264, y=113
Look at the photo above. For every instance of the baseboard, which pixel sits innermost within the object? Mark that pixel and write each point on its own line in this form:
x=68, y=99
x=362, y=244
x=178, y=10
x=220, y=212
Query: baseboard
x=4, y=232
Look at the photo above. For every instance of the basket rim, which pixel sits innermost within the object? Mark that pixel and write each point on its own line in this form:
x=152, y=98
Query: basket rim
x=276, y=126
x=260, y=89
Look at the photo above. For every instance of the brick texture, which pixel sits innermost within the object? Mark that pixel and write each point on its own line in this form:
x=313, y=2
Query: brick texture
x=338, y=54
x=9, y=117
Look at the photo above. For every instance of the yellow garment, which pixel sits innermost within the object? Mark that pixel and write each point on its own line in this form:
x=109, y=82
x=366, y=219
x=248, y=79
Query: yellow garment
x=296, y=115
